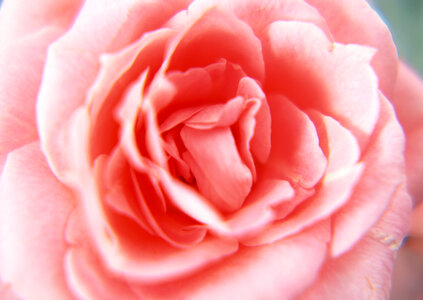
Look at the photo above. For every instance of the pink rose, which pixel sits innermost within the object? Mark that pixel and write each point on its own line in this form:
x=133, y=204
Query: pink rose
x=199, y=150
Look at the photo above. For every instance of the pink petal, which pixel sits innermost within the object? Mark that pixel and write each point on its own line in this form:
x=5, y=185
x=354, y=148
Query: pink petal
x=19, y=83
x=333, y=193
x=280, y=270
x=342, y=147
x=201, y=44
x=88, y=280
x=127, y=114
x=192, y=203
x=243, y=132
x=165, y=224
x=408, y=103
x=214, y=160
x=73, y=61
x=282, y=210
x=118, y=187
x=170, y=145
x=33, y=213
x=383, y=173
x=355, y=22
x=6, y=292
x=21, y=18
x=154, y=261
x=218, y=115
x=295, y=153
x=261, y=138
x=187, y=89
x=258, y=208
x=123, y=246
x=365, y=271
x=178, y=117
x=312, y=72
x=258, y=14
x=117, y=72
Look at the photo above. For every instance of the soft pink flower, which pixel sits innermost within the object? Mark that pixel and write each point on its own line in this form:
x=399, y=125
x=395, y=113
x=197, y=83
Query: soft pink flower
x=204, y=149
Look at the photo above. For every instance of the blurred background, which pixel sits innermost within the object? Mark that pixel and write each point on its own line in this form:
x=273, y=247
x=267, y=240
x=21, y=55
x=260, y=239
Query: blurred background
x=405, y=19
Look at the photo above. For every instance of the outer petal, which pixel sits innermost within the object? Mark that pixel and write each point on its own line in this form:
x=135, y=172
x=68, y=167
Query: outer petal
x=260, y=13
x=6, y=292
x=408, y=103
x=88, y=279
x=355, y=22
x=383, y=173
x=335, y=190
x=312, y=72
x=21, y=17
x=73, y=62
x=19, y=83
x=34, y=208
x=280, y=270
x=365, y=271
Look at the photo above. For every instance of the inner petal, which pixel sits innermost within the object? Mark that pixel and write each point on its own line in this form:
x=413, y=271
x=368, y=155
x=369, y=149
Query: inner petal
x=218, y=115
x=214, y=160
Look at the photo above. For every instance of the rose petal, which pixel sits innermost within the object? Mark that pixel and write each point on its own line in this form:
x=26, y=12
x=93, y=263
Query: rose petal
x=261, y=135
x=89, y=281
x=335, y=79
x=349, y=22
x=152, y=260
x=127, y=114
x=118, y=71
x=21, y=18
x=34, y=210
x=214, y=160
x=365, y=271
x=280, y=270
x=118, y=187
x=6, y=292
x=19, y=83
x=260, y=13
x=243, y=132
x=164, y=223
x=341, y=146
x=295, y=153
x=408, y=103
x=125, y=247
x=72, y=62
x=192, y=203
x=334, y=192
x=218, y=115
x=384, y=171
x=258, y=208
x=201, y=44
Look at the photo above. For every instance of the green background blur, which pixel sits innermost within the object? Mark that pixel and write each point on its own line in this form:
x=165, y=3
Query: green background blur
x=405, y=19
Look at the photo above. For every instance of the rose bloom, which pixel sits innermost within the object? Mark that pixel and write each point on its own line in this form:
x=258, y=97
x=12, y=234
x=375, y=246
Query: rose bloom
x=242, y=149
